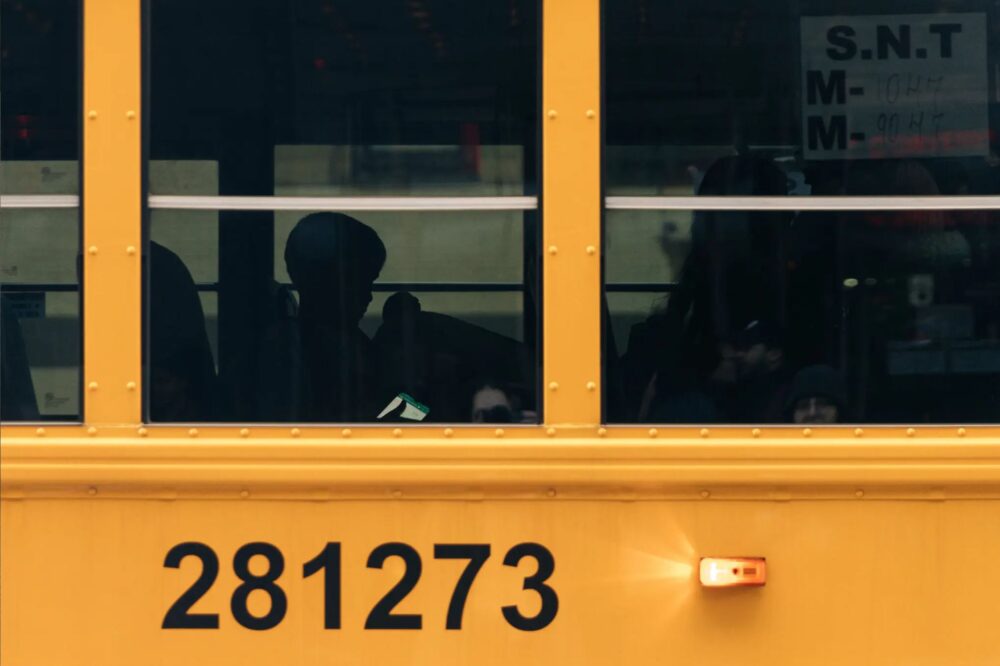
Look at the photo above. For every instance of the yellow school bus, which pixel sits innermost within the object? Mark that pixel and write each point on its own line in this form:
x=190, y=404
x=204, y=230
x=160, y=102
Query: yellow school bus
x=509, y=331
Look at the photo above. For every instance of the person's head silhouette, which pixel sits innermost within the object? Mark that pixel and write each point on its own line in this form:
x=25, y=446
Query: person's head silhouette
x=333, y=261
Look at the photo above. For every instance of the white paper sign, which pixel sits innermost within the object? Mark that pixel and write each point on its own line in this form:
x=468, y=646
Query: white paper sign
x=899, y=85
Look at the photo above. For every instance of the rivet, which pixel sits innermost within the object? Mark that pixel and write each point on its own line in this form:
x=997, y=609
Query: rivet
x=653, y=432
x=553, y=249
x=40, y=432
x=92, y=249
x=591, y=113
x=807, y=432
x=193, y=432
x=130, y=115
x=591, y=250
x=92, y=115
x=551, y=432
x=705, y=494
x=130, y=386
x=755, y=432
x=91, y=431
x=552, y=114
x=92, y=386
x=910, y=432
x=130, y=250
x=244, y=432
x=92, y=490
x=602, y=432
x=296, y=432
x=346, y=432
x=858, y=432
x=244, y=493
x=448, y=432
x=859, y=493
x=142, y=432
x=551, y=492
x=499, y=432
x=961, y=432
x=591, y=386
x=703, y=432
x=553, y=386
x=397, y=493
x=397, y=432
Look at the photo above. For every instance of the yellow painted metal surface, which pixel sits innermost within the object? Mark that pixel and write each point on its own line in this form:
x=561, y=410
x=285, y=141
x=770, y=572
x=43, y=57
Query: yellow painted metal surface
x=870, y=582
x=571, y=217
x=112, y=212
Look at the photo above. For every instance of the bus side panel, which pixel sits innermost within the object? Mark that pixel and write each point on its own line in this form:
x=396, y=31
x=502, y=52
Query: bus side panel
x=848, y=582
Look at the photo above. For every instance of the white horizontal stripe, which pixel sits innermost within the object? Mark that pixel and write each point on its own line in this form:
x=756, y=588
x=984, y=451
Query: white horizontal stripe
x=803, y=203
x=39, y=201
x=343, y=203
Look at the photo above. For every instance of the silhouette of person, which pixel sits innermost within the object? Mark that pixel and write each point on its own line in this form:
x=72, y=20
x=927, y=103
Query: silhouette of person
x=817, y=395
x=735, y=269
x=182, y=371
x=333, y=261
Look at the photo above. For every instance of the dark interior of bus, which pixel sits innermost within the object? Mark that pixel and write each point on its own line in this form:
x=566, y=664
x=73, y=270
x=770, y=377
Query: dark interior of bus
x=440, y=98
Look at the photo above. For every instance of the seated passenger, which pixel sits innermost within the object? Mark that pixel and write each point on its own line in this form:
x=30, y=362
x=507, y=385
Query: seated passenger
x=817, y=395
x=333, y=261
x=442, y=361
x=736, y=269
x=491, y=405
x=763, y=376
x=182, y=379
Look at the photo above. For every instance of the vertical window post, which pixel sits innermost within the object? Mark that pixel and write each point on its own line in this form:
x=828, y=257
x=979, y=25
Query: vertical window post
x=112, y=205
x=571, y=131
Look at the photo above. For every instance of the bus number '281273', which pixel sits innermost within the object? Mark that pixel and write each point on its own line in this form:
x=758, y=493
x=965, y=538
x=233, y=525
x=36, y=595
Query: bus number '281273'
x=328, y=561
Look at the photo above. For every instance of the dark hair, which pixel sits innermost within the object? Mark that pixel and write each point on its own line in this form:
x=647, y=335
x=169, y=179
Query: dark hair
x=324, y=241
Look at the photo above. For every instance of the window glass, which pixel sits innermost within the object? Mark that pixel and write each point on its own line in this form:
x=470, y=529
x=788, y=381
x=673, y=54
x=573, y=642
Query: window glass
x=343, y=221
x=39, y=211
x=825, y=88
x=774, y=311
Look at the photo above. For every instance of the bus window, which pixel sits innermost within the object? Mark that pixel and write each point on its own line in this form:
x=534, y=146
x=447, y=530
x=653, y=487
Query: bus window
x=343, y=215
x=802, y=215
x=40, y=347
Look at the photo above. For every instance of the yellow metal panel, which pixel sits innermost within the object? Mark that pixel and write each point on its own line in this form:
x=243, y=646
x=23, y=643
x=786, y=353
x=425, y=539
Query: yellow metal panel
x=576, y=465
x=112, y=206
x=873, y=583
x=572, y=210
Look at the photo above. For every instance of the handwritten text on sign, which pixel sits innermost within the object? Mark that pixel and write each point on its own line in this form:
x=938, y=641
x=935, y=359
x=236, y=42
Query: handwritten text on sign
x=901, y=85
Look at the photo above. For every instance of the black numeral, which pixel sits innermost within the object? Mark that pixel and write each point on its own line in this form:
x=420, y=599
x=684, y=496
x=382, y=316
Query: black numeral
x=550, y=601
x=477, y=554
x=265, y=582
x=177, y=616
x=329, y=561
x=381, y=616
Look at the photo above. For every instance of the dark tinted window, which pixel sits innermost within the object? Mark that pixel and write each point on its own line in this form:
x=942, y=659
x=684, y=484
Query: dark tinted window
x=387, y=261
x=788, y=312
x=39, y=212
x=824, y=87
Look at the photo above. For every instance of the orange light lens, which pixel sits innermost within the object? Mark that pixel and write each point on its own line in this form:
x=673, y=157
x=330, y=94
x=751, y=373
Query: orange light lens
x=732, y=571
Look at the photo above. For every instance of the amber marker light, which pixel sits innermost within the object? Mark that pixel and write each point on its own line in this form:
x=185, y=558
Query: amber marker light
x=732, y=571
